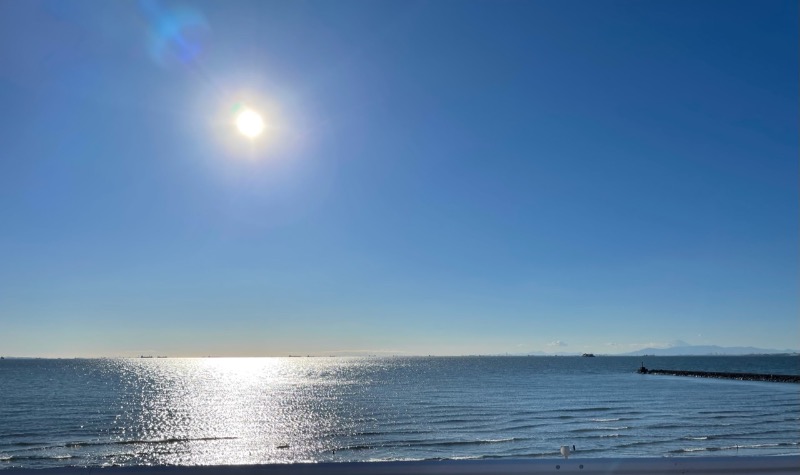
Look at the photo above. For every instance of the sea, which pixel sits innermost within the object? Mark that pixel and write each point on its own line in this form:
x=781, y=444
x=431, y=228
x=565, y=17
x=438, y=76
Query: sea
x=216, y=411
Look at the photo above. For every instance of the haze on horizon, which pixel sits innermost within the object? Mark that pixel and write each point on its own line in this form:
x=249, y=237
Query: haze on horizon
x=439, y=178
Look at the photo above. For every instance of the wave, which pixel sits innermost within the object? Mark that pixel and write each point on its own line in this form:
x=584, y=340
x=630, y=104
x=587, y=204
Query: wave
x=721, y=411
x=665, y=425
x=377, y=433
x=445, y=420
x=172, y=440
x=610, y=419
x=642, y=443
x=17, y=435
x=424, y=443
x=734, y=447
x=11, y=458
x=30, y=444
x=595, y=429
x=744, y=434
x=753, y=433
x=497, y=441
x=518, y=427
x=680, y=451
x=40, y=446
x=453, y=443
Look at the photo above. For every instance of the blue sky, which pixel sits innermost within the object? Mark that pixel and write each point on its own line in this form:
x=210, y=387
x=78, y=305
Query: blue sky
x=437, y=177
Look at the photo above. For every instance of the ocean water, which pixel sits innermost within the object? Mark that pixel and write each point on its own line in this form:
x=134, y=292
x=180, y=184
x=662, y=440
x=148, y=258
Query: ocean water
x=99, y=412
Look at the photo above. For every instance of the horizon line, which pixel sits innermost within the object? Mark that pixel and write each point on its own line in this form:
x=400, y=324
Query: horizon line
x=475, y=355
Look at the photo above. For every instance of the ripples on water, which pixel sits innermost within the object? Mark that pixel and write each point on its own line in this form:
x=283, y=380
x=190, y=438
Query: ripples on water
x=263, y=410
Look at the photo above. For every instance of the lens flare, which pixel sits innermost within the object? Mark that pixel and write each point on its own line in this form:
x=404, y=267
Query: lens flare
x=176, y=34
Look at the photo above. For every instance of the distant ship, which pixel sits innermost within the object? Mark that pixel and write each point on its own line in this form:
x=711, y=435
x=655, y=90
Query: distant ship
x=588, y=355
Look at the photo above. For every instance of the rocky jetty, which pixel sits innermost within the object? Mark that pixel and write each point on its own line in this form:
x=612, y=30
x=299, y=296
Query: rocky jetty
x=777, y=378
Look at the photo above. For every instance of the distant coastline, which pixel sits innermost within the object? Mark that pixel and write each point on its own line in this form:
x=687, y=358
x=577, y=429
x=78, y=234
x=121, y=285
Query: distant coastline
x=497, y=355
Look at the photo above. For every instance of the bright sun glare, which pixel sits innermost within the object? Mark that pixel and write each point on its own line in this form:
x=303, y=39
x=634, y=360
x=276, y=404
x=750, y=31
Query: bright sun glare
x=250, y=123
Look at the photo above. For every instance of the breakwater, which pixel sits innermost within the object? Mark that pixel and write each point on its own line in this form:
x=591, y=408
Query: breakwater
x=777, y=378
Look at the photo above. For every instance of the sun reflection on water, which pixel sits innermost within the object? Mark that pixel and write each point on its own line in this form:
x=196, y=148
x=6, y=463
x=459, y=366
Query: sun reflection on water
x=230, y=410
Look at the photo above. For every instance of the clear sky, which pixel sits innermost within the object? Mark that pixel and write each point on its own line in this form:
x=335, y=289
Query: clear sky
x=436, y=177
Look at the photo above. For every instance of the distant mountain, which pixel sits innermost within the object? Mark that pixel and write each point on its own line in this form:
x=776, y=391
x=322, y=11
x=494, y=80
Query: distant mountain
x=705, y=350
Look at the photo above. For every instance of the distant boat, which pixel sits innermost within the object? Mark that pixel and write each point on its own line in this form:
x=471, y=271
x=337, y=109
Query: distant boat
x=588, y=355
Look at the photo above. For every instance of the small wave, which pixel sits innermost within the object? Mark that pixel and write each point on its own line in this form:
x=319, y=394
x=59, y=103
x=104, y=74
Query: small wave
x=387, y=433
x=357, y=447
x=681, y=451
x=771, y=444
x=642, y=443
x=754, y=433
x=467, y=442
x=595, y=429
x=119, y=455
x=576, y=409
x=172, y=440
x=734, y=447
x=610, y=435
x=37, y=457
x=430, y=443
x=29, y=444
x=696, y=438
x=519, y=427
x=610, y=419
x=17, y=435
x=400, y=459
x=79, y=444
x=667, y=425
x=731, y=411
x=520, y=455
x=445, y=420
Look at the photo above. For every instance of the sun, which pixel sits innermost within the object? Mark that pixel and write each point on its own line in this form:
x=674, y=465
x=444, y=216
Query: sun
x=250, y=123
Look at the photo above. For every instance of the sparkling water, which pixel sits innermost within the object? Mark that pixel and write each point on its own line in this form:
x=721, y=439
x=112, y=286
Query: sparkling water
x=84, y=412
